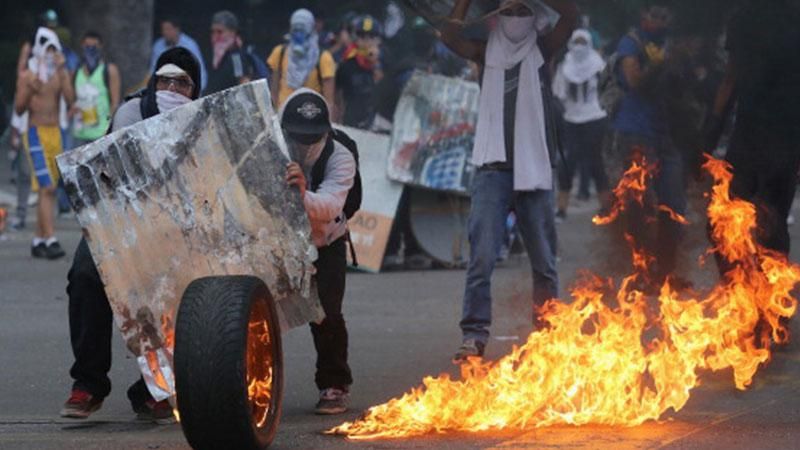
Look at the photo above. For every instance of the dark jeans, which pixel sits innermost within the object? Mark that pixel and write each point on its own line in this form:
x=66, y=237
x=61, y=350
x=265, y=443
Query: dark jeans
x=584, y=145
x=330, y=336
x=669, y=189
x=90, y=327
x=493, y=196
x=765, y=170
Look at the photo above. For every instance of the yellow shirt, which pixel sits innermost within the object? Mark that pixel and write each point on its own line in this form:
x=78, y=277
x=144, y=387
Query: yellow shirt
x=326, y=65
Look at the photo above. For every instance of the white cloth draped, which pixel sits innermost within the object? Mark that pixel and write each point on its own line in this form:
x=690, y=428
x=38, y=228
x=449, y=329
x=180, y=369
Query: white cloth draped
x=512, y=42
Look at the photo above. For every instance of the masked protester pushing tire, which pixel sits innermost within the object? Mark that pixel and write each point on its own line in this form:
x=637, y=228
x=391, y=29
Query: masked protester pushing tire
x=228, y=364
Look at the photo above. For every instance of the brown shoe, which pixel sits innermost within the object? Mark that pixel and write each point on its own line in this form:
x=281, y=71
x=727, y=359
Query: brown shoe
x=81, y=405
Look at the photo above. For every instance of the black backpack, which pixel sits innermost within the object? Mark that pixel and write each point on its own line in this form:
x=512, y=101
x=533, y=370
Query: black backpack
x=353, y=203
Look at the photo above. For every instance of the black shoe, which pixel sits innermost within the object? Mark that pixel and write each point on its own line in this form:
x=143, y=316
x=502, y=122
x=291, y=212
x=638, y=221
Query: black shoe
x=54, y=251
x=160, y=413
x=332, y=401
x=39, y=251
x=561, y=216
x=471, y=348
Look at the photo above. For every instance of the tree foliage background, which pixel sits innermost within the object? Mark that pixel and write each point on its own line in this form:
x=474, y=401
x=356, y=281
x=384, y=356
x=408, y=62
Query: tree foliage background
x=131, y=24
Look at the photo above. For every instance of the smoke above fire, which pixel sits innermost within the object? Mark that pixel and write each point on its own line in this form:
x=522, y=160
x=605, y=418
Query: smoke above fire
x=609, y=356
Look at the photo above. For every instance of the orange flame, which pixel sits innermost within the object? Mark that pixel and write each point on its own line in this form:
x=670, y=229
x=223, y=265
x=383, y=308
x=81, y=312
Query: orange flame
x=259, y=370
x=593, y=363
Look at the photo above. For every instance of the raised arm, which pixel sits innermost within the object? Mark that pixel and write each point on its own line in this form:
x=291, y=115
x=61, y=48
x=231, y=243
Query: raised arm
x=554, y=41
x=451, y=35
x=65, y=79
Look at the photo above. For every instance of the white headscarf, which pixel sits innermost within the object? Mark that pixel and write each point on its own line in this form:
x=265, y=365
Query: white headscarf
x=513, y=42
x=39, y=62
x=582, y=61
x=303, y=56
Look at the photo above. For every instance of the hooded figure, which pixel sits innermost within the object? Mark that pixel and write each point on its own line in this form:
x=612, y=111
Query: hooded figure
x=41, y=62
x=155, y=101
x=512, y=43
x=152, y=101
x=576, y=82
x=303, y=48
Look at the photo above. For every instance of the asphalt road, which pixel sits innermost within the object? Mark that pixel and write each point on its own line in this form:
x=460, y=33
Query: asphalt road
x=403, y=326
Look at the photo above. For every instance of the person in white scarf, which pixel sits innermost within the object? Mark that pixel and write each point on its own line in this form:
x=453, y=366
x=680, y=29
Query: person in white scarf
x=513, y=168
x=300, y=62
x=576, y=84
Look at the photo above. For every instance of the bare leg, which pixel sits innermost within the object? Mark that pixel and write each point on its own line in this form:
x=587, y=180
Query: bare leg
x=45, y=213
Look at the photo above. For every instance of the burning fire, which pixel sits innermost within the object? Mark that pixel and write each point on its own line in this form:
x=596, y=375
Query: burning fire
x=259, y=369
x=615, y=359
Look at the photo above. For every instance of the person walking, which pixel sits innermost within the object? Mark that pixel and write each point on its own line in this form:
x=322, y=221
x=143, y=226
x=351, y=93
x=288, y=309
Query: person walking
x=300, y=63
x=231, y=65
x=172, y=36
x=97, y=90
x=576, y=85
x=642, y=130
x=39, y=90
x=762, y=87
x=511, y=155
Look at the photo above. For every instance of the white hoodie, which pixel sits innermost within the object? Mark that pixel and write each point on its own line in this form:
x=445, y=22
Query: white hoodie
x=325, y=206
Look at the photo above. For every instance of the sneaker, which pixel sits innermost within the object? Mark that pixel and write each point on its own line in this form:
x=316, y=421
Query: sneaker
x=471, y=348
x=561, y=216
x=157, y=412
x=39, y=250
x=17, y=224
x=332, y=401
x=54, y=251
x=81, y=405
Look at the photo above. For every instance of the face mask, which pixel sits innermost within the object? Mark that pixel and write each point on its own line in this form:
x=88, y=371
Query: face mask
x=168, y=100
x=91, y=56
x=49, y=65
x=305, y=154
x=580, y=51
x=516, y=29
x=299, y=37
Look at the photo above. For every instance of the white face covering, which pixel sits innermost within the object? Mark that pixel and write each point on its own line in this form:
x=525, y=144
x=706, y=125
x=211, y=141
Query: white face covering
x=580, y=51
x=516, y=29
x=168, y=100
x=42, y=62
x=305, y=154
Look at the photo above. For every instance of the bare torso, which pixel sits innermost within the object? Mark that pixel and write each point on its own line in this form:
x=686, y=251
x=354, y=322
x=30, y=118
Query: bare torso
x=43, y=105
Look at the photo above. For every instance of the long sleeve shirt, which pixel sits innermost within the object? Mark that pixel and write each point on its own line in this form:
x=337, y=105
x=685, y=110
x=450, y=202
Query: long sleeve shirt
x=325, y=206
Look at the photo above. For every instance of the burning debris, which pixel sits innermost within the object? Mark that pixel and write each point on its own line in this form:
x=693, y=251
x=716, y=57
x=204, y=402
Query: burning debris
x=596, y=363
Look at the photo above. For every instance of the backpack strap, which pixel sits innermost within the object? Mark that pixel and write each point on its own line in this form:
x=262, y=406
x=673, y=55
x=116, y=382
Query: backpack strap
x=318, y=171
x=280, y=64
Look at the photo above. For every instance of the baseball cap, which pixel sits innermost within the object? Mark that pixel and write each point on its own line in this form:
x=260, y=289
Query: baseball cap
x=306, y=114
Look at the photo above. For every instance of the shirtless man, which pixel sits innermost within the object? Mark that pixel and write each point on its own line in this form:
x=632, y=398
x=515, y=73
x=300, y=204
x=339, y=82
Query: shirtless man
x=39, y=88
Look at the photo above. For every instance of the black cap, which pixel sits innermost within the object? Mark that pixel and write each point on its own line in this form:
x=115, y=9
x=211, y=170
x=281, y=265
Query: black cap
x=306, y=114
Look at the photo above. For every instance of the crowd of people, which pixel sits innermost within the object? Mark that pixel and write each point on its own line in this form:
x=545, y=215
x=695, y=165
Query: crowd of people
x=555, y=104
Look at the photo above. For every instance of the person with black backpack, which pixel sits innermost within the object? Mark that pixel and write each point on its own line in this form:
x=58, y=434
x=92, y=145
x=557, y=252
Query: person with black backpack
x=324, y=169
x=231, y=63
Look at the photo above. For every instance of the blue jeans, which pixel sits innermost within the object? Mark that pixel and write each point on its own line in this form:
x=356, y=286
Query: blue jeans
x=493, y=197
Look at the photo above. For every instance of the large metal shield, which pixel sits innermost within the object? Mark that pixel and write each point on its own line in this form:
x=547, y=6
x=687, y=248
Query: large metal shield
x=199, y=191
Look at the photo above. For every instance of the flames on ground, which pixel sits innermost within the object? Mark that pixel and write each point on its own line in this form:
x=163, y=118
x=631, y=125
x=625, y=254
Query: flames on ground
x=609, y=356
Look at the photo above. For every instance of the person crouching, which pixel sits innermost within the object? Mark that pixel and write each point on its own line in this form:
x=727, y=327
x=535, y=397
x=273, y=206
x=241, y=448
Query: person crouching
x=305, y=119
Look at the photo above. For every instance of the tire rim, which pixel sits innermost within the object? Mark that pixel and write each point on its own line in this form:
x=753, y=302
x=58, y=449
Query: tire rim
x=260, y=363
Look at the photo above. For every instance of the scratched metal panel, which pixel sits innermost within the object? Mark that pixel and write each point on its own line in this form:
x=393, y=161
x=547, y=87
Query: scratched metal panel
x=196, y=192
